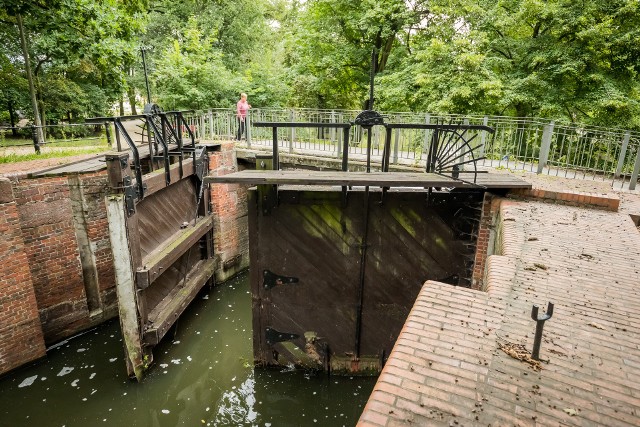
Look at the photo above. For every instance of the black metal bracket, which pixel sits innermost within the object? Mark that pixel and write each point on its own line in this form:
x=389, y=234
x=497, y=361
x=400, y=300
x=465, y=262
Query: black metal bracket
x=129, y=196
x=271, y=280
x=369, y=118
x=273, y=336
x=535, y=354
x=199, y=162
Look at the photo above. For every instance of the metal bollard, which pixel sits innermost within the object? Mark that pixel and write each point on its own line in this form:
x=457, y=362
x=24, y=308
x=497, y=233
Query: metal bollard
x=535, y=354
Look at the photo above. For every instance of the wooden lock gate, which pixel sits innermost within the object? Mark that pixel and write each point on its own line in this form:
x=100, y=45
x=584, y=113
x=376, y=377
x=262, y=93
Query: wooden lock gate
x=160, y=228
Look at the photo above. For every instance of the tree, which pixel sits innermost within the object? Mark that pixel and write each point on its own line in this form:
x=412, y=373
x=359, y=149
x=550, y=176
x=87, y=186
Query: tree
x=332, y=60
x=556, y=59
x=74, y=45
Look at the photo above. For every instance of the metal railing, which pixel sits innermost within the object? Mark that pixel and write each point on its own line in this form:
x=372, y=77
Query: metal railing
x=536, y=145
x=67, y=134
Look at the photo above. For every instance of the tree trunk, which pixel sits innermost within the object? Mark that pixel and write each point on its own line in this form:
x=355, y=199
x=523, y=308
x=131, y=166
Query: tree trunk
x=121, y=105
x=131, y=94
x=14, y=131
x=32, y=89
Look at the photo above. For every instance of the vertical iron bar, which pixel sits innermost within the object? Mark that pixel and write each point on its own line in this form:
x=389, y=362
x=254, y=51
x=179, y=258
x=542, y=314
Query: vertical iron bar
x=433, y=149
x=345, y=149
x=146, y=79
x=386, y=154
x=363, y=259
x=276, y=159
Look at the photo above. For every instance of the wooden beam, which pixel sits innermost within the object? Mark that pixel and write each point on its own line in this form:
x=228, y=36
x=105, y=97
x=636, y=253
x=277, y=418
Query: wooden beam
x=158, y=261
x=125, y=286
x=164, y=315
x=155, y=181
x=374, y=179
x=335, y=178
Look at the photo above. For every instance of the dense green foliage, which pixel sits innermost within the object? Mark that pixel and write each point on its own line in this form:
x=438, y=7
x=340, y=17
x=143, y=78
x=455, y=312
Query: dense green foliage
x=558, y=59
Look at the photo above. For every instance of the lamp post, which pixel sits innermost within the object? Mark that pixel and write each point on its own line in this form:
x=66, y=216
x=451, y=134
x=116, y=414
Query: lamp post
x=143, y=49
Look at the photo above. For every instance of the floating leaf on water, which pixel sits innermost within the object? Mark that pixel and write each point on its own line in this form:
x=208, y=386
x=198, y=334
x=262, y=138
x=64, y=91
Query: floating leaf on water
x=28, y=381
x=113, y=359
x=64, y=371
x=595, y=325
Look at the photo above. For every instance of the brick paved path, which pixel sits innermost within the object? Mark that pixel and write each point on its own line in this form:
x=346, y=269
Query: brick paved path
x=446, y=368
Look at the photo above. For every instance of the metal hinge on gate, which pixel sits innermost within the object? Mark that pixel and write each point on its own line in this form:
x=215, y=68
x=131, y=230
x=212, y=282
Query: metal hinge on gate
x=131, y=194
x=271, y=280
x=272, y=336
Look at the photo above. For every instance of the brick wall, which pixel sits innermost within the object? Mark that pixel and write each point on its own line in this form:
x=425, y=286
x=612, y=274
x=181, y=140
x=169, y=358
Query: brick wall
x=21, y=338
x=486, y=234
x=95, y=187
x=229, y=207
x=52, y=219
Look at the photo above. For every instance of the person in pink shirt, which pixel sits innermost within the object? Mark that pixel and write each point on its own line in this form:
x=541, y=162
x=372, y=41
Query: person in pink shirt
x=241, y=112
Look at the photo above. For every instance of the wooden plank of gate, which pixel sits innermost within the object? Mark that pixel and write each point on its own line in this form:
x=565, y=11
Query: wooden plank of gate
x=376, y=179
x=162, y=317
x=156, y=180
x=158, y=261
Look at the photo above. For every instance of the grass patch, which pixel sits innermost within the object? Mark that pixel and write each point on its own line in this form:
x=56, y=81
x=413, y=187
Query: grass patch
x=80, y=142
x=16, y=158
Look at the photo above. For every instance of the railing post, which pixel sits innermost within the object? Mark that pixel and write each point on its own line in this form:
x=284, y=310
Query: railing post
x=339, y=138
x=332, y=131
x=247, y=128
x=210, y=116
x=396, y=143
x=427, y=134
x=292, y=130
x=34, y=136
x=229, y=119
x=623, y=153
x=636, y=170
x=483, y=136
x=545, y=146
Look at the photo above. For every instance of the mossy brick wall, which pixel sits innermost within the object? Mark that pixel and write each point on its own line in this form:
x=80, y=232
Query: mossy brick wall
x=21, y=338
x=229, y=207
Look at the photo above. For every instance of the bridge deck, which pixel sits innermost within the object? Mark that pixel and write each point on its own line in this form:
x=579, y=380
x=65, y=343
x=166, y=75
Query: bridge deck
x=379, y=179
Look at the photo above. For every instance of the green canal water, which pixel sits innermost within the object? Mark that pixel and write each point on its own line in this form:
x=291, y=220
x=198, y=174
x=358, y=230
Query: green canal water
x=202, y=376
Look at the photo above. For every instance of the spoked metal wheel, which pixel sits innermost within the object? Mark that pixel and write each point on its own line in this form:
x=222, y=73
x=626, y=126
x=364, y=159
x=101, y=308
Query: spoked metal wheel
x=452, y=152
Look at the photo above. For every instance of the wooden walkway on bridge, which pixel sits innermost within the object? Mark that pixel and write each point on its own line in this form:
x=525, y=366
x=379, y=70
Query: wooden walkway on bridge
x=379, y=179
